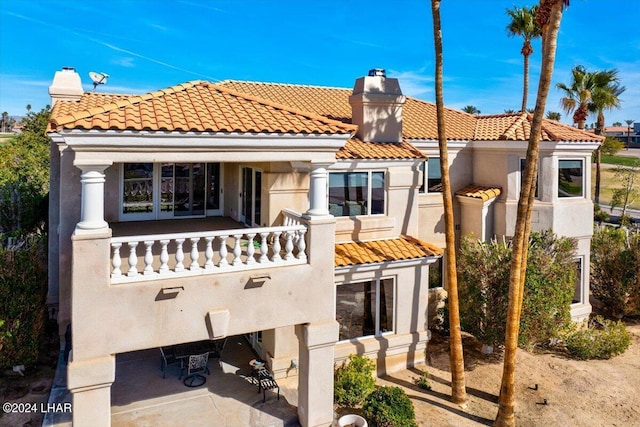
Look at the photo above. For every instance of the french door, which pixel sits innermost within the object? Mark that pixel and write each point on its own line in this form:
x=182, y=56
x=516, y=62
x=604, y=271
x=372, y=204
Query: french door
x=250, y=209
x=170, y=190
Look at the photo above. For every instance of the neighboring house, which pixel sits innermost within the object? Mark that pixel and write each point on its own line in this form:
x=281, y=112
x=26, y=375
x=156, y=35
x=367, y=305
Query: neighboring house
x=629, y=135
x=308, y=218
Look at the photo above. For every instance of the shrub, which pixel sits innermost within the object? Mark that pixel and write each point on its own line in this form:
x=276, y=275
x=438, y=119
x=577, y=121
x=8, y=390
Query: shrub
x=389, y=407
x=353, y=381
x=483, y=276
x=615, y=279
x=23, y=292
x=423, y=381
x=601, y=339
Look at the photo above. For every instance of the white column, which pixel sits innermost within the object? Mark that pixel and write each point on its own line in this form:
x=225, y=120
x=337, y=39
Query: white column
x=318, y=203
x=92, y=213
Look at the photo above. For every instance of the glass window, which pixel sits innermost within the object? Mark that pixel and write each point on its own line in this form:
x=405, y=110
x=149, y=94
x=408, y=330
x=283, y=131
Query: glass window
x=365, y=309
x=570, y=178
x=137, y=188
x=176, y=189
x=577, y=293
x=356, y=193
x=435, y=274
x=432, y=178
x=522, y=165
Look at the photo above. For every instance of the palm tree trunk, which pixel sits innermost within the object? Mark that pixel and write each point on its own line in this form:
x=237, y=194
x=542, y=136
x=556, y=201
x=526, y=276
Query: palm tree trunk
x=525, y=93
x=596, y=195
x=456, y=358
x=506, y=410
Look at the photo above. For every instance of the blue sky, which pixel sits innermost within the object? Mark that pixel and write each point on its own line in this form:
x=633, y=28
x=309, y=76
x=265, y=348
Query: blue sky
x=147, y=45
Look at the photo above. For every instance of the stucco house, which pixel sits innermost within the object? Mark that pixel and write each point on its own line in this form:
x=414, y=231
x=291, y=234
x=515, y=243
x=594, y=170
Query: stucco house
x=307, y=217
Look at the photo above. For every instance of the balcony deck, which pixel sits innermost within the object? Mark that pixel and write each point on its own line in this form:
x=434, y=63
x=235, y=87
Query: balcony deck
x=170, y=226
x=152, y=249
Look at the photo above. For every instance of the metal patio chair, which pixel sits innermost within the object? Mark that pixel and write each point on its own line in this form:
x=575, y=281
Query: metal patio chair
x=195, y=365
x=167, y=357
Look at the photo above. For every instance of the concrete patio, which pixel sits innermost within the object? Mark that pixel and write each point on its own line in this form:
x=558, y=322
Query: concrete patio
x=141, y=397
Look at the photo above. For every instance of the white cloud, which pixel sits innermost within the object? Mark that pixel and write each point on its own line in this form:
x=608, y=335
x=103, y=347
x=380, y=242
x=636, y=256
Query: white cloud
x=124, y=62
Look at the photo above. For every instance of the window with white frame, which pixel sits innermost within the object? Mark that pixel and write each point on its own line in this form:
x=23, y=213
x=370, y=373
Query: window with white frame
x=577, y=292
x=523, y=163
x=357, y=193
x=152, y=191
x=431, y=176
x=571, y=178
x=365, y=308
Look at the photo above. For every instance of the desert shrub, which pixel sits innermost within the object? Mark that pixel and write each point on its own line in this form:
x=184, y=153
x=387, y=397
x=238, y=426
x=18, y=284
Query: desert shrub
x=615, y=276
x=24, y=177
x=423, y=381
x=353, y=381
x=389, y=407
x=601, y=339
x=23, y=292
x=483, y=276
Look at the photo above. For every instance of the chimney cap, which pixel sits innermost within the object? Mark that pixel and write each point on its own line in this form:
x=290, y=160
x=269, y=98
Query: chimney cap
x=377, y=72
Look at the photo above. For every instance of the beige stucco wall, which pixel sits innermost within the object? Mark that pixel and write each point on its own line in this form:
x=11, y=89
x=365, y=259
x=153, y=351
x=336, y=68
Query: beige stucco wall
x=405, y=347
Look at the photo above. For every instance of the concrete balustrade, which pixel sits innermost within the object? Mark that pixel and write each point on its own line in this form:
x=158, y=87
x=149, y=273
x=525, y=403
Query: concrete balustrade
x=149, y=257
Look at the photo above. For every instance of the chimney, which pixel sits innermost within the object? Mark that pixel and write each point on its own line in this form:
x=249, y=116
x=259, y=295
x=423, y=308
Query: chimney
x=376, y=107
x=66, y=86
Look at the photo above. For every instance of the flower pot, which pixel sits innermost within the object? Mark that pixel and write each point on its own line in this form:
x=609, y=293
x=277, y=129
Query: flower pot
x=352, y=420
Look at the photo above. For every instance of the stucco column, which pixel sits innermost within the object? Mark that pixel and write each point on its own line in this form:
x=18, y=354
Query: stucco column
x=315, y=379
x=92, y=209
x=90, y=384
x=318, y=203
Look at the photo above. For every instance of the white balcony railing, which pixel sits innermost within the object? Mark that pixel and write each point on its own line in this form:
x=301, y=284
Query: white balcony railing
x=149, y=257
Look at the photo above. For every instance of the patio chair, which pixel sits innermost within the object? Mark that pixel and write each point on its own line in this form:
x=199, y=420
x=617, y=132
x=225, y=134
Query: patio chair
x=167, y=357
x=195, y=365
x=266, y=382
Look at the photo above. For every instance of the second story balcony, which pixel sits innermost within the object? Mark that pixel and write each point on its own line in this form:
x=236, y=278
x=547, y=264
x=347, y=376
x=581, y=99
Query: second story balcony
x=151, y=250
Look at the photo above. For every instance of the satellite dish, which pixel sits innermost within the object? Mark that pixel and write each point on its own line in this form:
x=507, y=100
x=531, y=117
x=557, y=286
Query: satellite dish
x=98, y=78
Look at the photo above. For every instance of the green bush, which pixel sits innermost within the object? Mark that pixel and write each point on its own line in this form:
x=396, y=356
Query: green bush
x=483, y=279
x=601, y=339
x=353, y=381
x=423, y=381
x=23, y=292
x=615, y=277
x=389, y=407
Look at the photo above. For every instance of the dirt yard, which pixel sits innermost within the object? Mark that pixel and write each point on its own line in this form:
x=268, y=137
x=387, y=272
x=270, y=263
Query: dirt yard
x=577, y=393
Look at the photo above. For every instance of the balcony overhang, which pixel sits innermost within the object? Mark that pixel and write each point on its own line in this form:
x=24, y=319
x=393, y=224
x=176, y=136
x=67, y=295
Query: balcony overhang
x=138, y=146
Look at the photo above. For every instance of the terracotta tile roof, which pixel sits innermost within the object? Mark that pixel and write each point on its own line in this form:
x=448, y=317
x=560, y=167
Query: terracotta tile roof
x=375, y=251
x=194, y=106
x=237, y=106
x=355, y=148
x=418, y=117
x=479, y=192
x=517, y=127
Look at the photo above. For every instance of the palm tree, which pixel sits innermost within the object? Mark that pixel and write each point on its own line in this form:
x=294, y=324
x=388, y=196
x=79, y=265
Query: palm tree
x=578, y=94
x=456, y=358
x=5, y=115
x=28, y=108
x=548, y=18
x=616, y=124
x=554, y=115
x=603, y=98
x=510, y=111
x=629, y=123
x=523, y=24
x=471, y=109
